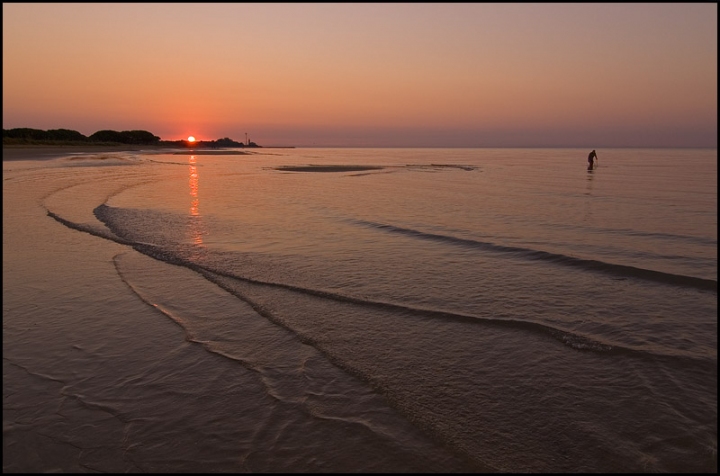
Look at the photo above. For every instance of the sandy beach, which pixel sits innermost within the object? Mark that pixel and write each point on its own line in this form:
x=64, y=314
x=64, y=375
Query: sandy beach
x=65, y=353
x=400, y=238
x=95, y=379
x=202, y=313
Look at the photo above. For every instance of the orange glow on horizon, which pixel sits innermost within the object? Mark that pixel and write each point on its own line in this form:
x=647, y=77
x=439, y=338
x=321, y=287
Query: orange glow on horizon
x=465, y=75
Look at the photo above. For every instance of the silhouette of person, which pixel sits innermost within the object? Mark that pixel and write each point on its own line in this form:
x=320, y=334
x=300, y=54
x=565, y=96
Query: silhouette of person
x=591, y=156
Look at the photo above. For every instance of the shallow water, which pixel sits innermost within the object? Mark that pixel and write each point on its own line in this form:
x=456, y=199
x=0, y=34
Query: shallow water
x=438, y=309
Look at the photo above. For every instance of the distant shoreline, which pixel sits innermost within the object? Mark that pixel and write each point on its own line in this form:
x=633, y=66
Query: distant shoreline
x=48, y=152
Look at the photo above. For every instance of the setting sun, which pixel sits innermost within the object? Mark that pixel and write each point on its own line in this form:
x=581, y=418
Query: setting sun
x=191, y=139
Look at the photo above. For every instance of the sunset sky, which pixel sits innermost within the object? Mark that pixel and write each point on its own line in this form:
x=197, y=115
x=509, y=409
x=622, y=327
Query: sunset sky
x=375, y=75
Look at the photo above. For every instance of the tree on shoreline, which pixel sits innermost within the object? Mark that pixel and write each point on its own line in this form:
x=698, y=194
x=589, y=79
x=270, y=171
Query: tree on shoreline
x=26, y=133
x=125, y=137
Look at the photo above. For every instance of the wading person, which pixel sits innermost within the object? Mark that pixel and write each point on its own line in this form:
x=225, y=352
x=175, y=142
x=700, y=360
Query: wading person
x=591, y=157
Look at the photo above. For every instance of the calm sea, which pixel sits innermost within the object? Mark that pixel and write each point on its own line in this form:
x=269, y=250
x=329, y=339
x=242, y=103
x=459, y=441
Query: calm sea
x=422, y=309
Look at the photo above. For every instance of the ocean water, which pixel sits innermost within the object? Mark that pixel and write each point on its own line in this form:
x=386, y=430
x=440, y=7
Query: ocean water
x=434, y=310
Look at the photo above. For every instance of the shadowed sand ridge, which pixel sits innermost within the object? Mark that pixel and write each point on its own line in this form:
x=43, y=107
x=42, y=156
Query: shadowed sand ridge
x=327, y=168
x=360, y=168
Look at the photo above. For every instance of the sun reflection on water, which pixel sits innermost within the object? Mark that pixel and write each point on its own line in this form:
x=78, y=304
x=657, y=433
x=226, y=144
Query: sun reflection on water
x=196, y=228
x=194, y=200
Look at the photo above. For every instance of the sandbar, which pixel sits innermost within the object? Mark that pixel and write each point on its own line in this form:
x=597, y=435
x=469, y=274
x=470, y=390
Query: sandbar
x=327, y=168
x=211, y=152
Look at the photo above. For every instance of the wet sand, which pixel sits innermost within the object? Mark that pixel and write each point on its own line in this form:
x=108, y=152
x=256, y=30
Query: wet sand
x=95, y=380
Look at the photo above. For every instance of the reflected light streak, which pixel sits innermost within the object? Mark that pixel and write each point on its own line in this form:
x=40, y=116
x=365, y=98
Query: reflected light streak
x=195, y=225
x=194, y=200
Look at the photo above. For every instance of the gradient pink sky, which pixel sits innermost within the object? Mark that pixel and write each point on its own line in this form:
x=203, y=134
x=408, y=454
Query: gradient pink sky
x=376, y=75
